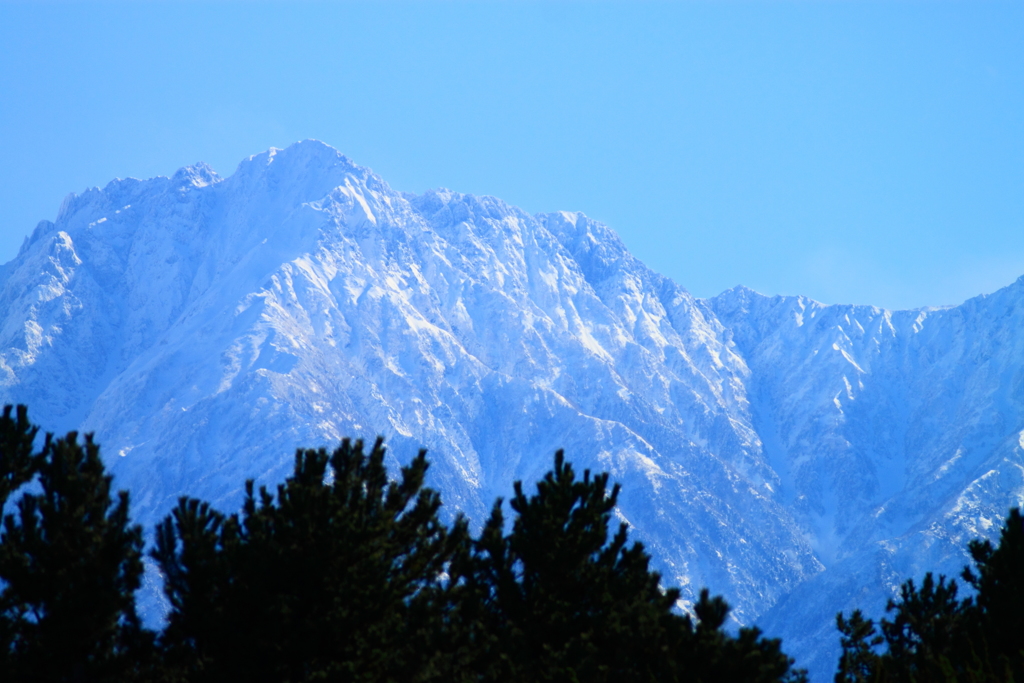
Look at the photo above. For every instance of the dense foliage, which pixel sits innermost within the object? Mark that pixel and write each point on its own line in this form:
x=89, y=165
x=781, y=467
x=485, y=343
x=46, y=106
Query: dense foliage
x=556, y=600
x=332, y=581
x=70, y=564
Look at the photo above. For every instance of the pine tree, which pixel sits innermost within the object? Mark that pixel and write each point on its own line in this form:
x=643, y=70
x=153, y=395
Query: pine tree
x=17, y=436
x=335, y=577
x=556, y=599
x=859, y=662
x=559, y=600
x=70, y=562
x=934, y=635
x=709, y=654
x=999, y=581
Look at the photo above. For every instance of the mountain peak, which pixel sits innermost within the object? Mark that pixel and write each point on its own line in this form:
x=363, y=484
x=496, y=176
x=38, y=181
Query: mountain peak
x=308, y=153
x=204, y=328
x=197, y=175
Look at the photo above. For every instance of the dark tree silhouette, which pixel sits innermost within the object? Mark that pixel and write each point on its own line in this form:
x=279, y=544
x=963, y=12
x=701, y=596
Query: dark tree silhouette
x=343, y=575
x=999, y=582
x=934, y=635
x=556, y=599
x=70, y=563
x=331, y=578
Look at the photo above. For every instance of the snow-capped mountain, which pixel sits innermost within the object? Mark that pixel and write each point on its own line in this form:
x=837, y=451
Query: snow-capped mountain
x=797, y=458
x=897, y=435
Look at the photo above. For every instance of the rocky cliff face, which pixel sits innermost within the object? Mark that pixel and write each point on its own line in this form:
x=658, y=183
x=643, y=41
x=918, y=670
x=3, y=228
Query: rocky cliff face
x=897, y=435
x=795, y=457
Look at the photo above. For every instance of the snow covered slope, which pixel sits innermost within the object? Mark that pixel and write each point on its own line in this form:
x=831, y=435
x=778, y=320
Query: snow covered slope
x=897, y=435
x=791, y=456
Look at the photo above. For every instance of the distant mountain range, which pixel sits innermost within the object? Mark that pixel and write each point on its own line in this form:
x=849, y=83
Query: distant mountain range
x=799, y=459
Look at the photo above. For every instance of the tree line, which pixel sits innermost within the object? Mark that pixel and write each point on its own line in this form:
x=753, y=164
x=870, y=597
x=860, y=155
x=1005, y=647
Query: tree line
x=342, y=573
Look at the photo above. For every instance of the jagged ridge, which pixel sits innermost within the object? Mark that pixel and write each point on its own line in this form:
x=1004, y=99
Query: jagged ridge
x=787, y=454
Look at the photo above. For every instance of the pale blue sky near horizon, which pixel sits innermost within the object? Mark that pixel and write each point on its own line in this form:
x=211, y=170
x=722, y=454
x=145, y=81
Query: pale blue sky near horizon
x=853, y=152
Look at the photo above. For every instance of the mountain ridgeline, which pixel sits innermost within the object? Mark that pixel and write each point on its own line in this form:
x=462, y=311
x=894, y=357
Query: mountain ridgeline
x=797, y=458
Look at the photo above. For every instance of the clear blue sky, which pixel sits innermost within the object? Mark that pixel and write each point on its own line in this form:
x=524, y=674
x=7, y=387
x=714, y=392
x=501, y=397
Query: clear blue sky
x=852, y=152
